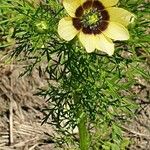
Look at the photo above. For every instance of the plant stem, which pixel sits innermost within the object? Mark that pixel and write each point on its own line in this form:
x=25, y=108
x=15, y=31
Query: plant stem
x=83, y=133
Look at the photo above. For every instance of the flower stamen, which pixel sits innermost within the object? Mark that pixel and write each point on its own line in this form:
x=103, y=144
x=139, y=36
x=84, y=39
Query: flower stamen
x=90, y=17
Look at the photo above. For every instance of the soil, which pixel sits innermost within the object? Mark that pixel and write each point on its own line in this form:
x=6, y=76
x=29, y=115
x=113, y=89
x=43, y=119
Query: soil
x=21, y=113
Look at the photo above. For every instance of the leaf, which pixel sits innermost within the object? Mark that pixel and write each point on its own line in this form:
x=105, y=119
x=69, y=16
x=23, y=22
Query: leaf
x=114, y=147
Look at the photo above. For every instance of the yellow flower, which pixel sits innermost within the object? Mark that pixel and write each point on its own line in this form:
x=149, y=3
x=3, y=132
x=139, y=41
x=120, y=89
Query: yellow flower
x=95, y=22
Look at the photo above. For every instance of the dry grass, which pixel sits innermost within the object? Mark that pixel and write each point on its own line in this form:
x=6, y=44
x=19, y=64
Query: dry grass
x=21, y=113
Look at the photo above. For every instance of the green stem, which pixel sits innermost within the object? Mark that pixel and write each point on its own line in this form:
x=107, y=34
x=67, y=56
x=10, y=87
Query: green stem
x=83, y=132
x=82, y=126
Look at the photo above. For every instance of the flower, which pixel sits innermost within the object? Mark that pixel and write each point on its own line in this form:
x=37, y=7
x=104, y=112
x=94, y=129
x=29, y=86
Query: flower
x=96, y=23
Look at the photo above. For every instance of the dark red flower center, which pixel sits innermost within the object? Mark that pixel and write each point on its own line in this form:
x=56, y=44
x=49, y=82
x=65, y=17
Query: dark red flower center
x=91, y=17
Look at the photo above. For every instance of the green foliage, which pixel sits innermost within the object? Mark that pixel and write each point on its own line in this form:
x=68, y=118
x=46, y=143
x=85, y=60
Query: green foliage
x=96, y=83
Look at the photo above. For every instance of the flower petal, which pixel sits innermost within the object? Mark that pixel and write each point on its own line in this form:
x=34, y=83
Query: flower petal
x=66, y=30
x=120, y=15
x=88, y=41
x=109, y=3
x=116, y=31
x=83, y=1
x=71, y=6
x=104, y=44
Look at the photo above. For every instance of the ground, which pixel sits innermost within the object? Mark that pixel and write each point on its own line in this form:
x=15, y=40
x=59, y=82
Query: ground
x=21, y=113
